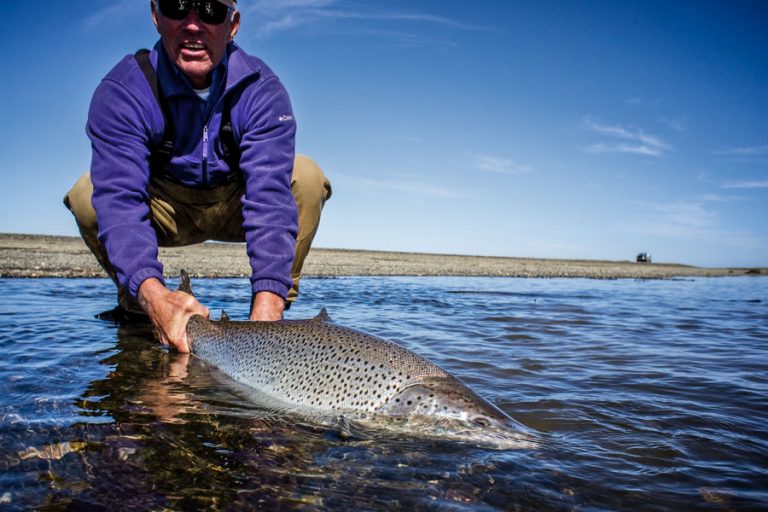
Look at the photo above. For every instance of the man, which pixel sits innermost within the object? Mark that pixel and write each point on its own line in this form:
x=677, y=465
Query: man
x=163, y=173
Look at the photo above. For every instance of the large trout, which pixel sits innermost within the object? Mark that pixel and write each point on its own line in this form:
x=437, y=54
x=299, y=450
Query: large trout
x=319, y=369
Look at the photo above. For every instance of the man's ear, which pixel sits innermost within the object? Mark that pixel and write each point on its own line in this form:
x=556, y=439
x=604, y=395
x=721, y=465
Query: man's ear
x=235, y=25
x=153, y=8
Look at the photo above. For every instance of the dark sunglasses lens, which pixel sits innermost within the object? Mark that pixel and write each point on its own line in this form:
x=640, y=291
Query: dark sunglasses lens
x=174, y=9
x=210, y=11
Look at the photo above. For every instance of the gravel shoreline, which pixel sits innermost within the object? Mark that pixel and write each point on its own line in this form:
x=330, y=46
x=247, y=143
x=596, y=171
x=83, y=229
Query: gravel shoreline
x=59, y=256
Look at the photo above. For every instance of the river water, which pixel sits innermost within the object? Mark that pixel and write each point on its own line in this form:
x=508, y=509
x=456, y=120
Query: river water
x=648, y=395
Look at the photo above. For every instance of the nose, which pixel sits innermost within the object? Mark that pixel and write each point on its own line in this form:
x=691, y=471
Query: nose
x=192, y=20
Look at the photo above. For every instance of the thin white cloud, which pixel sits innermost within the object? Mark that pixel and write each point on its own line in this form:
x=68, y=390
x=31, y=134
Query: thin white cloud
x=288, y=4
x=274, y=16
x=744, y=151
x=624, y=139
x=499, y=165
x=115, y=12
x=717, y=198
x=679, y=124
x=406, y=185
x=285, y=22
x=394, y=16
x=637, y=149
x=629, y=133
x=682, y=213
x=401, y=38
x=687, y=220
x=746, y=184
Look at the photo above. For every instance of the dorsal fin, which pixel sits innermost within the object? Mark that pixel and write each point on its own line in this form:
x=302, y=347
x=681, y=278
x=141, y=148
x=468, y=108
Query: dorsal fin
x=323, y=316
x=184, y=284
x=224, y=316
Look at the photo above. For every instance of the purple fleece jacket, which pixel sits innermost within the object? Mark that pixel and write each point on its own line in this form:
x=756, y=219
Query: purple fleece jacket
x=125, y=121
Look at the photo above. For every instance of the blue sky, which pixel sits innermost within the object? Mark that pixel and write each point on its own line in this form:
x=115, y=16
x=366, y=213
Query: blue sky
x=544, y=129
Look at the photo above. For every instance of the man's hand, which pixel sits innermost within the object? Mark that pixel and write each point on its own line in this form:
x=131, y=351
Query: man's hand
x=169, y=312
x=267, y=307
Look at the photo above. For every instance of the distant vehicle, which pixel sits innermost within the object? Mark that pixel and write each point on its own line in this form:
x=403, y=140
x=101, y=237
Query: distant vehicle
x=644, y=257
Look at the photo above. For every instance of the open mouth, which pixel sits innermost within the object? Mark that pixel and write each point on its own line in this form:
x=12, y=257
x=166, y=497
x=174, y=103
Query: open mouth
x=193, y=49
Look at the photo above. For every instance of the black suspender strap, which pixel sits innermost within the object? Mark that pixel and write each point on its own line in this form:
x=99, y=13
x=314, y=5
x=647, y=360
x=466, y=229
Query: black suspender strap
x=230, y=149
x=161, y=153
x=145, y=64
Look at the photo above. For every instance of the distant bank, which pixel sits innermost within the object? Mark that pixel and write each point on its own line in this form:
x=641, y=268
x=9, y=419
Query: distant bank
x=59, y=256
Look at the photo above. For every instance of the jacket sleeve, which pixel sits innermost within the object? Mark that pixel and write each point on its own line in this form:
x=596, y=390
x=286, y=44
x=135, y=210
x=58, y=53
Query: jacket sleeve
x=119, y=129
x=270, y=218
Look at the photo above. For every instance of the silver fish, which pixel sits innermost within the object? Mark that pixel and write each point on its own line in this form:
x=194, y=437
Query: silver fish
x=319, y=369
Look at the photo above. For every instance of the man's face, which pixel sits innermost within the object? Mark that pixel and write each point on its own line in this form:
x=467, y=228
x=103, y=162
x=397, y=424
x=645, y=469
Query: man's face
x=195, y=47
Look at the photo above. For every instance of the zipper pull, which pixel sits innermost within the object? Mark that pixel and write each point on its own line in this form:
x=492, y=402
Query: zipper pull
x=205, y=143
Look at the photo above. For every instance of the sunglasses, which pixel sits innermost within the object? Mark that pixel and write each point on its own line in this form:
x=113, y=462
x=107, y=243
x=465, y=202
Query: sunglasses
x=211, y=12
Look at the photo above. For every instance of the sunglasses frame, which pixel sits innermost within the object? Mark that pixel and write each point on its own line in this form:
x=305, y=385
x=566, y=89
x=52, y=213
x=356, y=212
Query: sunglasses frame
x=197, y=6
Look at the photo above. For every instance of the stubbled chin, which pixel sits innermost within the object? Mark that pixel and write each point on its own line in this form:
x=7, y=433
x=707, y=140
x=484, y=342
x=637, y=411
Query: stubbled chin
x=197, y=71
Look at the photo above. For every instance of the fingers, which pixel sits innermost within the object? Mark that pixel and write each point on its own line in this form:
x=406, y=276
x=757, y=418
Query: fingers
x=170, y=311
x=203, y=311
x=176, y=337
x=183, y=346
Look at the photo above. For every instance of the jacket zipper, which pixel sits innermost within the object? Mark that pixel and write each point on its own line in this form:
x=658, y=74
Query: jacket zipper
x=205, y=138
x=205, y=155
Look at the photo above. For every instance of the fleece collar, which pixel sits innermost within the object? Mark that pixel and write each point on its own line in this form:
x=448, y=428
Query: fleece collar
x=235, y=67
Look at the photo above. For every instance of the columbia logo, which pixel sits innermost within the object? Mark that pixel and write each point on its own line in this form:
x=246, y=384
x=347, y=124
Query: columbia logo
x=285, y=118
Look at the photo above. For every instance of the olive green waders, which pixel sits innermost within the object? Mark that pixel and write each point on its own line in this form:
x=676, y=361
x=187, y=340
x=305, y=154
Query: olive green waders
x=183, y=216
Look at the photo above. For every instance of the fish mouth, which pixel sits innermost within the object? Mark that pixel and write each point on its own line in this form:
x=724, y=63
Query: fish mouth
x=509, y=437
x=498, y=440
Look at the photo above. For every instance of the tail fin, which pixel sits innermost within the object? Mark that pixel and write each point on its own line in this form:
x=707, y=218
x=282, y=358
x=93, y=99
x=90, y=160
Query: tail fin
x=184, y=284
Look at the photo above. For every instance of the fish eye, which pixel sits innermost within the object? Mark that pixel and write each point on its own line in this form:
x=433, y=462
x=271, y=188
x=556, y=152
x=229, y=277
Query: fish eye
x=480, y=421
